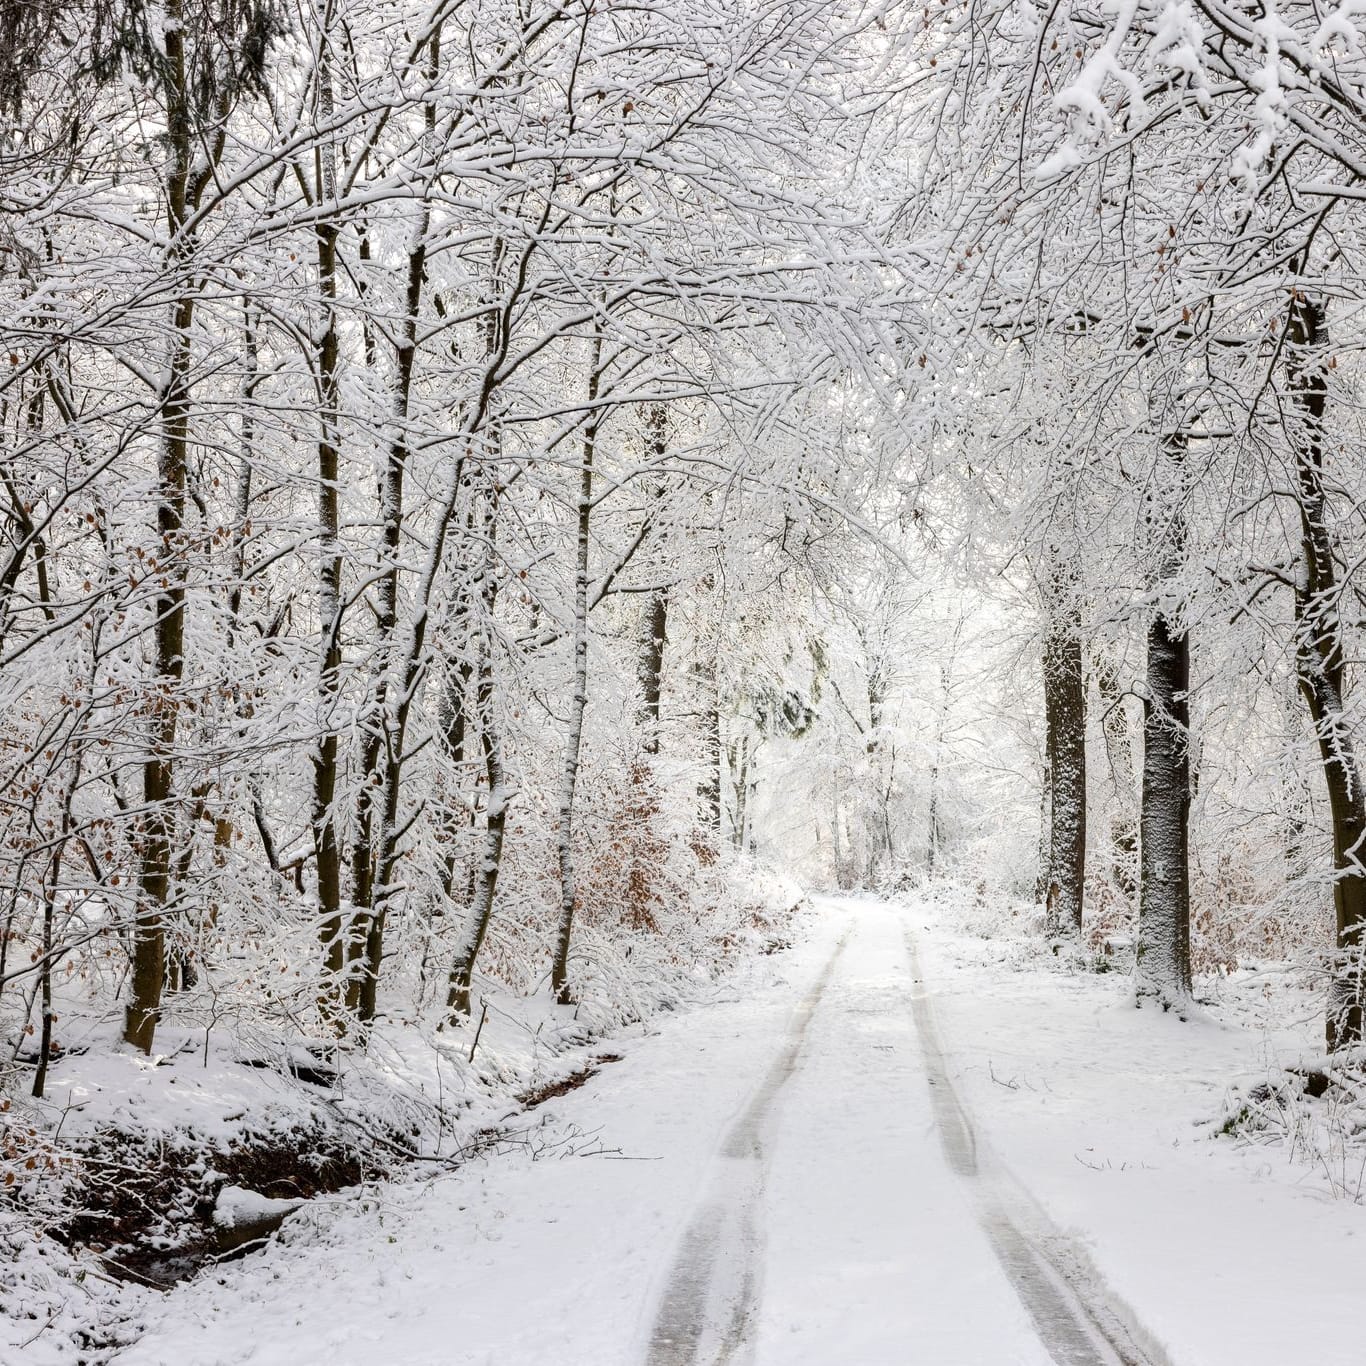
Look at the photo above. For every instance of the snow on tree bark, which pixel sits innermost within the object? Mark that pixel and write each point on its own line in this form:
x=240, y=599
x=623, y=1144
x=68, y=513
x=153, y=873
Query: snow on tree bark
x=578, y=698
x=1163, y=971
x=1065, y=727
x=1320, y=665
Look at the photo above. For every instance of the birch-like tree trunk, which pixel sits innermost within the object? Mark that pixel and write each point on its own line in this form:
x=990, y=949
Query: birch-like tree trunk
x=709, y=789
x=934, y=823
x=578, y=698
x=740, y=760
x=1119, y=758
x=881, y=765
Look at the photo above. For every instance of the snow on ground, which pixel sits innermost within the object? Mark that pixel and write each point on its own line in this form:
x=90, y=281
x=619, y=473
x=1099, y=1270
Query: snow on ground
x=225, y=1101
x=545, y=1253
x=1227, y=1252
x=783, y=1176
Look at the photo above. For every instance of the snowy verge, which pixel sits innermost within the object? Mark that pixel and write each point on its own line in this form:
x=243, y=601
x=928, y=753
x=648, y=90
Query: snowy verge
x=136, y=1172
x=1109, y=1116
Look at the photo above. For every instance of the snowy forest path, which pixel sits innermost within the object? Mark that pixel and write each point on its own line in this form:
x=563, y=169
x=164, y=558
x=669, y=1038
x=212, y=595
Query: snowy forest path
x=828, y=1193
x=784, y=1178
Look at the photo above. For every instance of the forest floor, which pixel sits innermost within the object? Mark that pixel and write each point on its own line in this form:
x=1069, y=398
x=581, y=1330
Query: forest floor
x=921, y=1142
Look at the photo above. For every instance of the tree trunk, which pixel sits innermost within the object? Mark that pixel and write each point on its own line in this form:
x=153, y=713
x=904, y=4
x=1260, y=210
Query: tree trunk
x=1045, y=844
x=643, y=869
x=842, y=879
x=709, y=789
x=1164, y=955
x=168, y=633
x=456, y=816
x=1321, y=670
x=578, y=702
x=373, y=856
x=51, y=890
x=934, y=825
x=934, y=832
x=326, y=758
x=740, y=759
x=880, y=779
x=1123, y=831
x=1065, y=730
x=481, y=526
x=650, y=668
x=486, y=876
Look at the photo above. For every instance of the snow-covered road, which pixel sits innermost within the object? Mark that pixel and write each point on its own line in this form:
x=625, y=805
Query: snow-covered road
x=783, y=1179
x=851, y=1212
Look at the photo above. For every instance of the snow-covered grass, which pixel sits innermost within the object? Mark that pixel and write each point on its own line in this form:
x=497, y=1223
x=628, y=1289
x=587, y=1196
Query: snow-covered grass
x=1312, y=1110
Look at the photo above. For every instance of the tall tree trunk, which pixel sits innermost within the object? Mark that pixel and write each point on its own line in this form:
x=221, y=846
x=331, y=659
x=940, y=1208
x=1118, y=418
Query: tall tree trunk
x=1045, y=845
x=1294, y=792
x=578, y=701
x=880, y=836
x=456, y=816
x=51, y=891
x=326, y=758
x=168, y=632
x=643, y=870
x=739, y=771
x=934, y=834
x=935, y=823
x=1065, y=730
x=373, y=856
x=651, y=670
x=1164, y=956
x=481, y=527
x=709, y=789
x=650, y=664
x=495, y=815
x=650, y=667
x=246, y=465
x=1321, y=669
x=837, y=852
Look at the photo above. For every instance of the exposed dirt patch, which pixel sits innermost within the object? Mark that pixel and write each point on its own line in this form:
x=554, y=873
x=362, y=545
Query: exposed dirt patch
x=146, y=1207
x=538, y=1095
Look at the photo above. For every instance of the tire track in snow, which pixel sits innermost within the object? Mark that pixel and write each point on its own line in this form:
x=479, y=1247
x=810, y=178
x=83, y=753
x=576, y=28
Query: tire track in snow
x=707, y=1310
x=1068, y=1306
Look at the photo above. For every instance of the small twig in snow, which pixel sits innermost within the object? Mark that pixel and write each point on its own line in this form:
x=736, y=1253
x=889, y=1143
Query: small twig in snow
x=479, y=1029
x=1009, y=1085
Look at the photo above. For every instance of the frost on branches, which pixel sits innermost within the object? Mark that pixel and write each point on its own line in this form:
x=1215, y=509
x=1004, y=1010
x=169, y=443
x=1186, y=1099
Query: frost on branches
x=498, y=497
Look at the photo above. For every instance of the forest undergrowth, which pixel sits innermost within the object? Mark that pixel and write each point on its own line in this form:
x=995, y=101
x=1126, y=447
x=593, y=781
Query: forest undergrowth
x=135, y=1173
